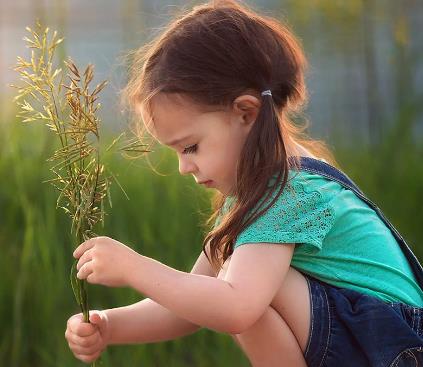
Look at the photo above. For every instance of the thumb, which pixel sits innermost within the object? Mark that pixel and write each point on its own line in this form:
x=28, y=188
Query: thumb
x=96, y=318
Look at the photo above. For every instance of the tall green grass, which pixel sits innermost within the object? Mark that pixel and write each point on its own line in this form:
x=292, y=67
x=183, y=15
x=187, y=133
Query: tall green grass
x=161, y=220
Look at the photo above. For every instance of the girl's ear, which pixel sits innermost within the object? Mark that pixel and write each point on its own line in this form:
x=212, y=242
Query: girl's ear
x=246, y=108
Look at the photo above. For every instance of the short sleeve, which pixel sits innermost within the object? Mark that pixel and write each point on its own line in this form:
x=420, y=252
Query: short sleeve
x=302, y=214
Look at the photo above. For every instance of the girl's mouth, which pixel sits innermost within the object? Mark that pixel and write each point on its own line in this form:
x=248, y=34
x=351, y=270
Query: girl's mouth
x=207, y=183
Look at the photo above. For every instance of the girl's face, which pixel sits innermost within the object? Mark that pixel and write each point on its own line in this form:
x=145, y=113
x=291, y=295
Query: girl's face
x=208, y=142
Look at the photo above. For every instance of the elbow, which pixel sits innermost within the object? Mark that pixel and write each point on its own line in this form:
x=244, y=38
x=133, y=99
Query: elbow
x=244, y=313
x=244, y=319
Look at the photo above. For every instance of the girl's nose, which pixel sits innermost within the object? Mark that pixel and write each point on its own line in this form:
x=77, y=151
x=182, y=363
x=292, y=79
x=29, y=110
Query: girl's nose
x=186, y=166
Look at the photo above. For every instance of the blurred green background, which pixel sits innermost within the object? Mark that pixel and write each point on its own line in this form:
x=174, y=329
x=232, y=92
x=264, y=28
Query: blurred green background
x=366, y=101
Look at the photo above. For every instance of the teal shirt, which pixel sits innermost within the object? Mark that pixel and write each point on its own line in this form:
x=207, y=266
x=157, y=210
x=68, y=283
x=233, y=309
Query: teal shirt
x=340, y=239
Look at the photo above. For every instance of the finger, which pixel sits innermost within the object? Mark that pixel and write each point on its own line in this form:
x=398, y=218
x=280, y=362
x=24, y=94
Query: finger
x=90, y=278
x=85, y=350
x=73, y=322
x=82, y=329
x=84, y=246
x=86, y=256
x=76, y=349
x=75, y=319
x=88, y=358
x=85, y=341
x=85, y=270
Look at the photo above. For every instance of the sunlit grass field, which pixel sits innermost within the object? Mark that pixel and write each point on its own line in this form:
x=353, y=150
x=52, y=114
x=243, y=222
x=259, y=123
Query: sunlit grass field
x=162, y=219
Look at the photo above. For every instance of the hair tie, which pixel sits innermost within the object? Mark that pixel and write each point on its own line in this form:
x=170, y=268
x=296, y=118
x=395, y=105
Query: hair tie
x=266, y=92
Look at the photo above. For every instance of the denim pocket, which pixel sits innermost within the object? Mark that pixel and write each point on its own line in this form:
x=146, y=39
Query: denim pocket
x=411, y=357
x=417, y=321
x=412, y=315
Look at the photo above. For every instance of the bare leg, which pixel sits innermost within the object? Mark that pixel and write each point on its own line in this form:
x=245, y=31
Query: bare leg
x=271, y=343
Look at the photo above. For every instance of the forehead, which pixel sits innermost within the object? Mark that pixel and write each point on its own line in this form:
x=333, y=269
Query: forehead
x=168, y=109
x=173, y=116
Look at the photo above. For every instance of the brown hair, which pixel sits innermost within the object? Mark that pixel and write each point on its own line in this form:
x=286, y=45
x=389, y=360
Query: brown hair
x=211, y=54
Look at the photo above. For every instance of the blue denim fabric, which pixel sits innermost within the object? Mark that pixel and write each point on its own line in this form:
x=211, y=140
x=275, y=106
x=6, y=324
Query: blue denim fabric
x=352, y=329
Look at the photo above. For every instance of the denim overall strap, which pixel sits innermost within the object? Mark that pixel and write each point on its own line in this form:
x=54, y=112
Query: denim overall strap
x=321, y=168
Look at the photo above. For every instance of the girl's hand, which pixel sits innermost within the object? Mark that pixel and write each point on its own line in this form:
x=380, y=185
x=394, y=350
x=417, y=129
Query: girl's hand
x=105, y=261
x=87, y=340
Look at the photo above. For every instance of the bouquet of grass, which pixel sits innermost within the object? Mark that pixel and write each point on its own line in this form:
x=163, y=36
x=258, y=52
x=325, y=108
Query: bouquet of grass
x=69, y=111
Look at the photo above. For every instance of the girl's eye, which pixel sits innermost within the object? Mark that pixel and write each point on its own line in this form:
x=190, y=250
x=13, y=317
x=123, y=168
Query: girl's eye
x=191, y=149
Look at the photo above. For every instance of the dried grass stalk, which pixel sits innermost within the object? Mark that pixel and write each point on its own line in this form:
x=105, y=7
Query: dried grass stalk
x=70, y=112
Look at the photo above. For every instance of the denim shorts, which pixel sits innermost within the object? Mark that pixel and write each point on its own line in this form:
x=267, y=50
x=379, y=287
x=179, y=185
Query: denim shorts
x=352, y=329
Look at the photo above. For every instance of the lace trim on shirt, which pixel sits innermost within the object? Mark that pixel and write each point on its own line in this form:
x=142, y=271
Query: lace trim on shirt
x=297, y=216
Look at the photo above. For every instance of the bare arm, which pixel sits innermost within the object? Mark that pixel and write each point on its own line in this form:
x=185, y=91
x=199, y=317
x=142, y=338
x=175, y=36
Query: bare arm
x=229, y=305
x=148, y=322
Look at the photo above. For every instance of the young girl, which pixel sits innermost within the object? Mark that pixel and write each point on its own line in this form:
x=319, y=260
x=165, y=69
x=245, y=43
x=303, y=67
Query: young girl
x=300, y=267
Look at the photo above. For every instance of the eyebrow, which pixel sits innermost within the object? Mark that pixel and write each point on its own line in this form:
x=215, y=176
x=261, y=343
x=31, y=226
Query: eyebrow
x=178, y=141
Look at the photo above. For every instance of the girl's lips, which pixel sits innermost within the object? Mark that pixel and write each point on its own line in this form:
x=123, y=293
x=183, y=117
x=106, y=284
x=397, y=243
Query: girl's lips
x=207, y=183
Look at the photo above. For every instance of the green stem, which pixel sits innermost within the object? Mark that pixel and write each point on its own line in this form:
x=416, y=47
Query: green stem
x=81, y=292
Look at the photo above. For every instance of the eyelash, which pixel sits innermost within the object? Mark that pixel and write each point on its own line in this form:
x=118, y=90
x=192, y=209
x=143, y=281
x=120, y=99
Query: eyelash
x=190, y=149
